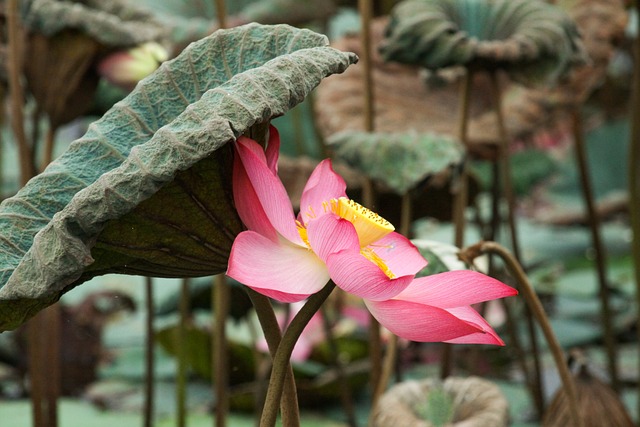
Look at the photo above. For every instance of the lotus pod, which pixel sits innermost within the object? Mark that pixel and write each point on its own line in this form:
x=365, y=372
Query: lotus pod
x=476, y=403
x=398, y=160
x=147, y=190
x=598, y=404
x=533, y=41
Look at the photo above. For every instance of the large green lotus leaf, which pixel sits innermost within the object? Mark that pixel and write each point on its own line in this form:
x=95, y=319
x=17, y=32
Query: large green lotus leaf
x=92, y=212
x=399, y=160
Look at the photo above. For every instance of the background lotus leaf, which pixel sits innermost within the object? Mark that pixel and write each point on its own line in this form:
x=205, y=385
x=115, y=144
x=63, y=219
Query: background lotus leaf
x=111, y=22
x=92, y=212
x=532, y=40
x=290, y=11
x=399, y=160
x=442, y=257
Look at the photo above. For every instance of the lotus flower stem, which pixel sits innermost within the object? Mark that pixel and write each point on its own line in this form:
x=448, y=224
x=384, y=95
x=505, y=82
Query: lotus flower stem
x=271, y=329
x=283, y=353
x=472, y=252
x=3, y=117
x=507, y=188
x=49, y=145
x=375, y=342
x=505, y=163
x=460, y=196
x=44, y=339
x=27, y=169
x=221, y=13
x=375, y=357
x=343, y=380
x=181, y=375
x=35, y=131
x=148, y=355
x=599, y=249
x=45, y=389
x=365, y=8
x=392, y=345
x=220, y=305
x=634, y=177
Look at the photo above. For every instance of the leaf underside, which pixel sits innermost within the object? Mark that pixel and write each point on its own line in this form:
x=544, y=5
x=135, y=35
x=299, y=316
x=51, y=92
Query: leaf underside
x=147, y=189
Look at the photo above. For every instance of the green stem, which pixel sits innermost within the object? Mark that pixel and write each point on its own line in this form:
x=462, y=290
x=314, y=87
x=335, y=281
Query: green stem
x=271, y=330
x=181, y=376
x=49, y=146
x=535, y=305
x=504, y=160
x=149, y=365
x=221, y=13
x=634, y=178
x=365, y=8
x=385, y=375
x=338, y=364
x=600, y=253
x=505, y=163
x=283, y=354
x=14, y=61
x=220, y=305
x=460, y=197
x=392, y=346
x=461, y=192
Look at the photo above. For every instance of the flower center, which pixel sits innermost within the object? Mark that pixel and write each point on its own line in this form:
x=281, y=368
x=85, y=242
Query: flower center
x=370, y=226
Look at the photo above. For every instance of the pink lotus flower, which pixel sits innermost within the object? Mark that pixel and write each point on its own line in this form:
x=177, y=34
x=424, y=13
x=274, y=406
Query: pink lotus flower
x=126, y=68
x=289, y=258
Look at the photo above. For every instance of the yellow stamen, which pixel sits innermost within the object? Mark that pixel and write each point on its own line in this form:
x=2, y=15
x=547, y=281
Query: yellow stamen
x=369, y=254
x=303, y=234
x=370, y=226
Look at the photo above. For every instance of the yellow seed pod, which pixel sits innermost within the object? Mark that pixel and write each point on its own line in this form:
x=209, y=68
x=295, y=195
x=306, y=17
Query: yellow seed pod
x=369, y=225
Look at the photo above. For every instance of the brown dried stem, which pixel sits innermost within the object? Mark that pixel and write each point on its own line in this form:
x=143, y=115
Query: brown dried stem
x=533, y=302
x=600, y=255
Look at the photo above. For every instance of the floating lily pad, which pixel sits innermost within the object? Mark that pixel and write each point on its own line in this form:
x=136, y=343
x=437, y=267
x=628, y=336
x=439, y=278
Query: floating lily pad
x=92, y=212
x=398, y=160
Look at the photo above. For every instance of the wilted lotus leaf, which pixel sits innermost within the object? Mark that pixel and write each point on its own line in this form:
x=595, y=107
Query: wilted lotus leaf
x=601, y=24
x=398, y=160
x=403, y=102
x=110, y=22
x=532, y=40
x=65, y=39
x=147, y=189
